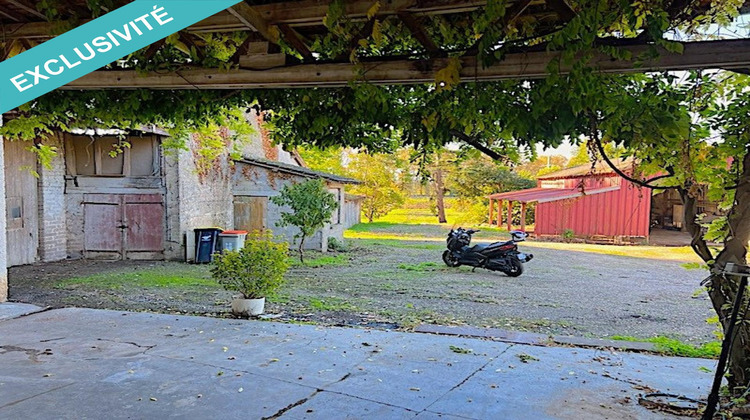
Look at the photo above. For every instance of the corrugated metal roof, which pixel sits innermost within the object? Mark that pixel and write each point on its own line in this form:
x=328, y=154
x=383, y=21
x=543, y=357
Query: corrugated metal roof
x=544, y=195
x=601, y=168
x=297, y=170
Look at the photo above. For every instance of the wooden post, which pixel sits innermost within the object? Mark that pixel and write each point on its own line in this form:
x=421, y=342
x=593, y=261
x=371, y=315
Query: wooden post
x=523, y=217
x=492, y=205
x=510, y=215
x=499, y=213
x=3, y=239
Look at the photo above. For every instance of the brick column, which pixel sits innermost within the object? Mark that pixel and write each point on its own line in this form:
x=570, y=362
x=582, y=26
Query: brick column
x=52, y=215
x=3, y=236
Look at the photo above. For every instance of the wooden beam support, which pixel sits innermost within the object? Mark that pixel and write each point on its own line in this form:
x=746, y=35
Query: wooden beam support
x=523, y=217
x=727, y=54
x=492, y=211
x=296, y=13
x=511, y=13
x=499, y=213
x=27, y=8
x=562, y=8
x=295, y=40
x=418, y=32
x=510, y=215
x=6, y=13
x=253, y=20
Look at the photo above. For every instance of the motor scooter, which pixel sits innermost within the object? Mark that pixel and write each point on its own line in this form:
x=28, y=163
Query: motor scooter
x=497, y=256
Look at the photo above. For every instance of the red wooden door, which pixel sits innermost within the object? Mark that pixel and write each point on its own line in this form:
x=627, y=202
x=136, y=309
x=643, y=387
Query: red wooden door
x=143, y=217
x=124, y=226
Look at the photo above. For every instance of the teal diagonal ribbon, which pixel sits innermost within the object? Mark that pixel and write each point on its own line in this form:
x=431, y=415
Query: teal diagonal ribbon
x=95, y=44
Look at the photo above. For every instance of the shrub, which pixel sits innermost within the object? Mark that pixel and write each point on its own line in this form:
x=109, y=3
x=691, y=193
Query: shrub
x=256, y=270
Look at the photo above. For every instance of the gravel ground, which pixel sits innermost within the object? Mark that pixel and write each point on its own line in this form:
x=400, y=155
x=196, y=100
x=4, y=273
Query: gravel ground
x=400, y=284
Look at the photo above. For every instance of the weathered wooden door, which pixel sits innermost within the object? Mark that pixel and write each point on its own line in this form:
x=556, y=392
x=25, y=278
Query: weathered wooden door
x=250, y=213
x=127, y=226
x=21, y=204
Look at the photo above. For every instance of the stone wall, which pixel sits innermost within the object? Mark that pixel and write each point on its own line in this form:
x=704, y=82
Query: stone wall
x=250, y=180
x=53, y=234
x=204, y=199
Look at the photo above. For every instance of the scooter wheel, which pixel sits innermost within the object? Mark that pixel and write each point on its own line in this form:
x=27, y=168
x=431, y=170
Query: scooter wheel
x=515, y=268
x=450, y=260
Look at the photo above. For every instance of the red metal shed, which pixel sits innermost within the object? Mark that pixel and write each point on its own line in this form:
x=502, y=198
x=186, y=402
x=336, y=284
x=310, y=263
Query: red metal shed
x=593, y=203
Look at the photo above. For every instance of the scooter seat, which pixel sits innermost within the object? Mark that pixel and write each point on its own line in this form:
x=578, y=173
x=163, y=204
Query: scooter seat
x=478, y=248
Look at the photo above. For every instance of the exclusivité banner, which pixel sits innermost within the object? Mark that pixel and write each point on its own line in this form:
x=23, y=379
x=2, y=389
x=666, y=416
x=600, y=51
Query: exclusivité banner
x=95, y=44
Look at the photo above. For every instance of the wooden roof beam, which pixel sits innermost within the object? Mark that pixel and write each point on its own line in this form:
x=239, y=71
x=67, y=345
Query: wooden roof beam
x=562, y=8
x=727, y=54
x=27, y=8
x=313, y=11
x=8, y=14
x=295, y=40
x=419, y=33
x=511, y=14
x=253, y=20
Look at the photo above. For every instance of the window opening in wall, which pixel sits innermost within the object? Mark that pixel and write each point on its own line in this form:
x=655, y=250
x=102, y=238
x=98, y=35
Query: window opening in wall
x=14, y=212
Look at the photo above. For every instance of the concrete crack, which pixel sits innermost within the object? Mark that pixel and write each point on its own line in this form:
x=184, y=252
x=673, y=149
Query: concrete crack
x=129, y=342
x=481, y=368
x=36, y=395
x=291, y=406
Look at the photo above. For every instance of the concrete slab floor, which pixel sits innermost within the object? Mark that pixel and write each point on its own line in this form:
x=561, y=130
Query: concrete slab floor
x=9, y=310
x=86, y=363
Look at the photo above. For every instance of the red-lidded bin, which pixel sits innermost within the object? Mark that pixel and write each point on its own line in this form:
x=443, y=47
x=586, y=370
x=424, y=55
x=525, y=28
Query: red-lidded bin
x=232, y=240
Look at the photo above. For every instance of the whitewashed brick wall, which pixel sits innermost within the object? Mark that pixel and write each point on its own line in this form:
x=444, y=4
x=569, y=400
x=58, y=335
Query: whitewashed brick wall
x=52, y=212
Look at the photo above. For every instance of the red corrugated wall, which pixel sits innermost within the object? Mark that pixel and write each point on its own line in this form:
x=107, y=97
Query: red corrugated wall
x=624, y=212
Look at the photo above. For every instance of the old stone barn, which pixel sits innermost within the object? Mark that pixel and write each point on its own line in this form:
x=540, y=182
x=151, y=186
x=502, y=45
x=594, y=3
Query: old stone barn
x=144, y=201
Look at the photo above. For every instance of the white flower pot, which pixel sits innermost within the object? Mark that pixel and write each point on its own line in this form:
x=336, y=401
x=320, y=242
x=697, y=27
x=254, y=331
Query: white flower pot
x=248, y=307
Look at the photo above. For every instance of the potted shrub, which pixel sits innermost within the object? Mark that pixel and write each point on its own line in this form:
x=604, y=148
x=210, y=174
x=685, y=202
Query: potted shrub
x=255, y=271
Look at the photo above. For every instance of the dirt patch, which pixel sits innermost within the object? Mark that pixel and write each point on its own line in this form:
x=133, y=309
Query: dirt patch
x=401, y=284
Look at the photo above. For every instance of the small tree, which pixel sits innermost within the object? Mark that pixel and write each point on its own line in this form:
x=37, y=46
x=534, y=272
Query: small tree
x=312, y=206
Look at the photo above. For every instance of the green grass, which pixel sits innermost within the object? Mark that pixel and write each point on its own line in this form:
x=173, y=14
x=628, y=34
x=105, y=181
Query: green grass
x=330, y=304
x=184, y=276
x=423, y=266
x=319, y=260
x=673, y=347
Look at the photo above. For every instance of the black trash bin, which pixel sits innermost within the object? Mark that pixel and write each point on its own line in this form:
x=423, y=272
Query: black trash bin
x=205, y=244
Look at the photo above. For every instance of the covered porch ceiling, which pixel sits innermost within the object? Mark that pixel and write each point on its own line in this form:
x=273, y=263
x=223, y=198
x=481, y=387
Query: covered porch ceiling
x=279, y=49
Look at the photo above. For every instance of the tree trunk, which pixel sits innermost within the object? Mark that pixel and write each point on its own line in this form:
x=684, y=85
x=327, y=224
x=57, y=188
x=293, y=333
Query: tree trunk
x=440, y=195
x=301, y=252
x=722, y=289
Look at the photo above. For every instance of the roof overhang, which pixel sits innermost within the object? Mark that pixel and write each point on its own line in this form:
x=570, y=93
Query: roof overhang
x=546, y=195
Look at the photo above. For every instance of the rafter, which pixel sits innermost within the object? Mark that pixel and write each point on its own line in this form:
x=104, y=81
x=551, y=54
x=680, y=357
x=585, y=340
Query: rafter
x=8, y=14
x=253, y=20
x=562, y=8
x=27, y=8
x=511, y=14
x=728, y=54
x=295, y=40
x=418, y=32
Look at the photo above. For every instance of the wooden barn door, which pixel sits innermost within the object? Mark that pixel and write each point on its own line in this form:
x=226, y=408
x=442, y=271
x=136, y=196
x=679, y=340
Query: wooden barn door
x=250, y=213
x=21, y=204
x=124, y=226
